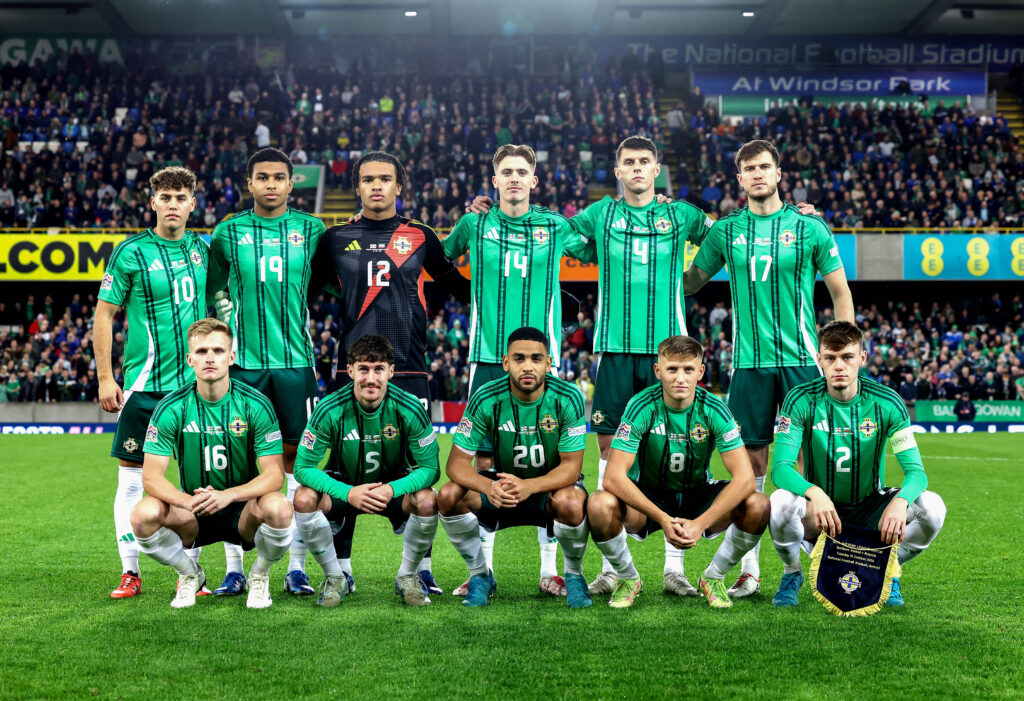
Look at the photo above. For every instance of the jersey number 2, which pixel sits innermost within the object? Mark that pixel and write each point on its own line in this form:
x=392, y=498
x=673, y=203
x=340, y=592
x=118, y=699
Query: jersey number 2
x=842, y=456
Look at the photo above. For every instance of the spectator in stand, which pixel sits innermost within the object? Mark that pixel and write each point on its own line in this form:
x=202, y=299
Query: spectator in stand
x=964, y=409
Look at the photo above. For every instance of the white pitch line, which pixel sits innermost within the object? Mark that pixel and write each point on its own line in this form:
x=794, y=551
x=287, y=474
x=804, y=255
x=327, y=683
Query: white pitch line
x=958, y=457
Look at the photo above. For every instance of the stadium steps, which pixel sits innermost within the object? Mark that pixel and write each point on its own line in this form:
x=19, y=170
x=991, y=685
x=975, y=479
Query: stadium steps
x=666, y=101
x=339, y=205
x=1009, y=105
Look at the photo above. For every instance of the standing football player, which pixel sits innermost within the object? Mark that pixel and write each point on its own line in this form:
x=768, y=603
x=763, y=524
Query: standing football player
x=159, y=278
x=773, y=253
x=262, y=256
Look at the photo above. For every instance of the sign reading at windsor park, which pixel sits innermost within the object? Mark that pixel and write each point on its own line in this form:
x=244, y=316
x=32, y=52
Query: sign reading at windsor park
x=963, y=257
x=936, y=83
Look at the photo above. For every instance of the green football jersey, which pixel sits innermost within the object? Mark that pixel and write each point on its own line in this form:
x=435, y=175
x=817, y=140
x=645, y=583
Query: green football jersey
x=772, y=264
x=162, y=286
x=265, y=264
x=368, y=446
x=527, y=438
x=640, y=252
x=843, y=443
x=673, y=448
x=216, y=444
x=515, y=264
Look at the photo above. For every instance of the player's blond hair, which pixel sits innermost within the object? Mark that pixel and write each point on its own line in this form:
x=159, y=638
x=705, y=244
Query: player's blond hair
x=510, y=150
x=204, y=327
x=681, y=347
x=173, y=178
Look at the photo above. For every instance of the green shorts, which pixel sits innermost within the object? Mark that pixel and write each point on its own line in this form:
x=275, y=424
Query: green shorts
x=291, y=391
x=532, y=512
x=867, y=512
x=222, y=527
x=619, y=377
x=482, y=373
x=688, y=503
x=755, y=397
x=132, y=423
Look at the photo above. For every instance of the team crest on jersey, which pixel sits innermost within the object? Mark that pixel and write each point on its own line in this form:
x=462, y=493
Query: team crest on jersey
x=541, y=235
x=698, y=433
x=295, y=238
x=850, y=582
x=663, y=225
x=237, y=426
x=131, y=445
x=196, y=258
x=308, y=439
x=403, y=246
x=787, y=237
x=548, y=423
x=107, y=282
x=868, y=427
x=465, y=427
x=623, y=432
x=597, y=418
x=390, y=432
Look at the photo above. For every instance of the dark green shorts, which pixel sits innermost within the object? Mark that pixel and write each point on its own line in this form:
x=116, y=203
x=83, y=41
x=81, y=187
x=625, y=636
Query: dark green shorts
x=688, y=503
x=755, y=397
x=619, y=377
x=482, y=373
x=532, y=512
x=222, y=527
x=867, y=512
x=291, y=391
x=132, y=423
x=344, y=514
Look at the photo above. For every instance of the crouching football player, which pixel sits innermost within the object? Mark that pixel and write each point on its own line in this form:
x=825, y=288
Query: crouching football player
x=535, y=424
x=842, y=422
x=218, y=429
x=371, y=427
x=658, y=477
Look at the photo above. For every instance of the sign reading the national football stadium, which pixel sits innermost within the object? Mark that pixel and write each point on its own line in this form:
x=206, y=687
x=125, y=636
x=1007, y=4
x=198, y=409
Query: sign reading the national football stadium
x=935, y=83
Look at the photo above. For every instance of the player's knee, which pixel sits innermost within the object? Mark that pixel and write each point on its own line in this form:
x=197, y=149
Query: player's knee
x=570, y=505
x=758, y=509
x=277, y=511
x=931, y=511
x=448, y=498
x=601, y=507
x=424, y=502
x=146, y=517
x=305, y=500
x=782, y=505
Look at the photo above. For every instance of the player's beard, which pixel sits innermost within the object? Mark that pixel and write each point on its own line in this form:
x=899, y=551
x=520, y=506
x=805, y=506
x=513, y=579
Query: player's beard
x=772, y=189
x=538, y=387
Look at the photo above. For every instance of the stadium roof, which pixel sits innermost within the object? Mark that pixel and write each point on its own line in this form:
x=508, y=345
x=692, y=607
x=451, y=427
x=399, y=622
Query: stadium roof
x=489, y=17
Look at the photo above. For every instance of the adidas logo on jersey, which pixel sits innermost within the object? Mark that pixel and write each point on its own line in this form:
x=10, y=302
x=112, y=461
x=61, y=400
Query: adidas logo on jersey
x=354, y=246
x=156, y=265
x=246, y=240
x=508, y=427
x=620, y=223
x=821, y=426
x=658, y=430
x=352, y=435
x=193, y=427
x=492, y=233
x=740, y=240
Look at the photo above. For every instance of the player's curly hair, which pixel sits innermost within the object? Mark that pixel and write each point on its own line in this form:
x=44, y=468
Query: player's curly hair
x=837, y=335
x=510, y=150
x=681, y=347
x=173, y=178
x=755, y=148
x=379, y=157
x=637, y=143
x=204, y=327
x=371, y=349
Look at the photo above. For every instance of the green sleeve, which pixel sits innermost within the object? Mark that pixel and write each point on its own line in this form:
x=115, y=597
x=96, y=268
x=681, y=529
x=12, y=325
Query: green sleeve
x=908, y=455
x=711, y=255
x=636, y=421
x=576, y=245
x=117, y=279
x=456, y=243
x=698, y=224
x=788, y=438
x=572, y=427
x=588, y=221
x=472, y=431
x=266, y=432
x=826, y=252
x=163, y=431
x=727, y=433
x=423, y=446
x=315, y=441
x=217, y=275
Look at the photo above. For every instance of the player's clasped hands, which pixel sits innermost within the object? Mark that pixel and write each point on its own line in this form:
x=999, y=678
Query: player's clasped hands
x=515, y=486
x=367, y=498
x=207, y=501
x=501, y=495
x=679, y=532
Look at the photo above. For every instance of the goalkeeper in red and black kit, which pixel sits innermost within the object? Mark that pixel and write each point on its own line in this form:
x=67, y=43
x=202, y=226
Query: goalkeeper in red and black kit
x=375, y=266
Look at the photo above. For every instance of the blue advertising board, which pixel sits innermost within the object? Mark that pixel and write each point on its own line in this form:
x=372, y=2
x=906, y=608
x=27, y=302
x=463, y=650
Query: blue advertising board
x=963, y=257
x=867, y=82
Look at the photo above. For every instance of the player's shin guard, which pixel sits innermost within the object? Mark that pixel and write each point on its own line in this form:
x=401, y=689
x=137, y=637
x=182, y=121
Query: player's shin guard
x=417, y=539
x=297, y=551
x=165, y=547
x=673, y=558
x=315, y=531
x=573, y=540
x=787, y=527
x=128, y=494
x=464, y=532
x=924, y=521
x=271, y=545
x=616, y=552
x=752, y=560
x=735, y=544
x=548, y=553
x=487, y=547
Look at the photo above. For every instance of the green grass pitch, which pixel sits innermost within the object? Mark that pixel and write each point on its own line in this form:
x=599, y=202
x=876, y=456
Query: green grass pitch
x=960, y=635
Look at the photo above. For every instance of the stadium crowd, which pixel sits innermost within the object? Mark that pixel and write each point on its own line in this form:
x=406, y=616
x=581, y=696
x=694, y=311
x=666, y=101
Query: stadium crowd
x=936, y=352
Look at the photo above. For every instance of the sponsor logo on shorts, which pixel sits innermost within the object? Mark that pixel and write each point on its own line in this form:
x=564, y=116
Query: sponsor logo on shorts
x=548, y=423
x=576, y=431
x=390, y=432
x=196, y=258
x=698, y=434
x=597, y=418
x=308, y=439
x=784, y=424
x=107, y=282
x=237, y=426
x=295, y=238
x=663, y=225
x=868, y=427
x=787, y=238
x=465, y=427
x=427, y=440
x=541, y=235
x=623, y=432
x=850, y=582
x=131, y=445
x=273, y=436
